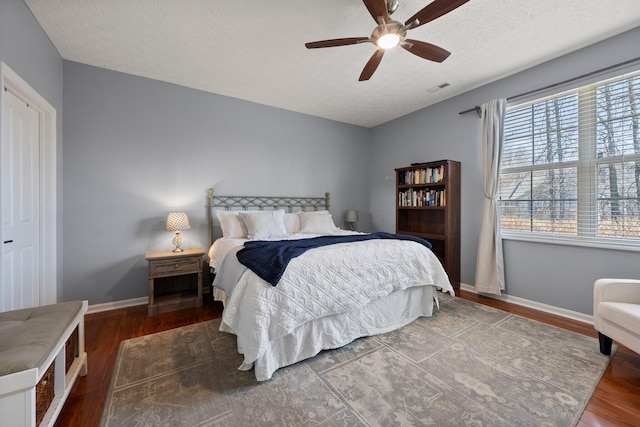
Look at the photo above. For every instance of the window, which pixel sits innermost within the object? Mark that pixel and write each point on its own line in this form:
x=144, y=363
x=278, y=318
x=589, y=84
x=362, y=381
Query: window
x=571, y=165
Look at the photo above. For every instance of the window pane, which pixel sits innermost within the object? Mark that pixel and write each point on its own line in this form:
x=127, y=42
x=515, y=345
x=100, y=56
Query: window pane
x=556, y=147
x=619, y=200
x=618, y=180
x=615, y=137
x=515, y=215
x=518, y=131
x=517, y=152
x=554, y=193
x=514, y=193
x=555, y=216
x=555, y=184
x=542, y=200
x=623, y=227
x=542, y=133
x=557, y=140
x=618, y=106
x=514, y=186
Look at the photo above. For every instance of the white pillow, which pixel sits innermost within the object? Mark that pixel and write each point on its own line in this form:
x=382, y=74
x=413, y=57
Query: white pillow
x=316, y=222
x=292, y=223
x=265, y=224
x=231, y=224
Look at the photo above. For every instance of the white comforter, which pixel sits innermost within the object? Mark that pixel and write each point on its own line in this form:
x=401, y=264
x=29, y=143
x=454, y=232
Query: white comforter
x=322, y=282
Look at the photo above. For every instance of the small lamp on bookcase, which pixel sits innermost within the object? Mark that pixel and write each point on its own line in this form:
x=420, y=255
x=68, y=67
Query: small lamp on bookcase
x=351, y=218
x=178, y=221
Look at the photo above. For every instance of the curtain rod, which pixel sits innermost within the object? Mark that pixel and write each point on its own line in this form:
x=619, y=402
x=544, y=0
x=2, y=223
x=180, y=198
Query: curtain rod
x=551, y=86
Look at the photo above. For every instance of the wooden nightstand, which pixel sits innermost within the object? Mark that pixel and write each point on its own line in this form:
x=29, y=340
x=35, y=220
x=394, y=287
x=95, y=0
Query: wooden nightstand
x=175, y=280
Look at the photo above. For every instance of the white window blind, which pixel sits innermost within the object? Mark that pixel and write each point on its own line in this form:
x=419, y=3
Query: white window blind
x=571, y=165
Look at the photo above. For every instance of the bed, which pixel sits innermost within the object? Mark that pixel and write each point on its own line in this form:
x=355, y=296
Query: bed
x=342, y=286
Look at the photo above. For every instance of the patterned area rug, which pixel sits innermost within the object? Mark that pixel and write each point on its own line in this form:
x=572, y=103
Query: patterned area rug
x=469, y=364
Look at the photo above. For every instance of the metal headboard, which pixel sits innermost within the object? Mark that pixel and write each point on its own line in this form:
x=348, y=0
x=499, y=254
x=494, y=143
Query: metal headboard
x=261, y=203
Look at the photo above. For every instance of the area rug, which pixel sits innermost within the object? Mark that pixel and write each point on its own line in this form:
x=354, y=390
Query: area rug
x=469, y=364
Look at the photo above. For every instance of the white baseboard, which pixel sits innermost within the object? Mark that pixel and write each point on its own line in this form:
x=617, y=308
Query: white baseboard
x=97, y=308
x=574, y=315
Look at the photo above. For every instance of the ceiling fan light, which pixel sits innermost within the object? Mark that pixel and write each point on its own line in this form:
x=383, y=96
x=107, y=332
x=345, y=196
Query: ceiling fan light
x=388, y=41
x=388, y=35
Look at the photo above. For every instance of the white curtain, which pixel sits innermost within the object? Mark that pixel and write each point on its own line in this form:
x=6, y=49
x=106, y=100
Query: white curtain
x=490, y=262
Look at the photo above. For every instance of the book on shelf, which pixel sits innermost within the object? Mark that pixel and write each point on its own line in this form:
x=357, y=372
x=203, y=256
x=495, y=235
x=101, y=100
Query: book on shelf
x=421, y=198
x=422, y=176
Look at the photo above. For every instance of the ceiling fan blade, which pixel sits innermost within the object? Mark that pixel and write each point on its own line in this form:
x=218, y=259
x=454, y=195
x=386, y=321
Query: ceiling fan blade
x=425, y=50
x=372, y=65
x=377, y=9
x=434, y=10
x=335, y=42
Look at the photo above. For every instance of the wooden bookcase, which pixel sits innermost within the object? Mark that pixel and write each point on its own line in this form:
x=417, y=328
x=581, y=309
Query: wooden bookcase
x=428, y=206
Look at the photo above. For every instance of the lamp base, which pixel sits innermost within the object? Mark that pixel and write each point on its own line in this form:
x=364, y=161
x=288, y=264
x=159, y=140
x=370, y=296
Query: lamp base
x=177, y=241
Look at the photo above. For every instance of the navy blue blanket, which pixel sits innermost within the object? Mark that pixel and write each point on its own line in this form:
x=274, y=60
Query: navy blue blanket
x=269, y=259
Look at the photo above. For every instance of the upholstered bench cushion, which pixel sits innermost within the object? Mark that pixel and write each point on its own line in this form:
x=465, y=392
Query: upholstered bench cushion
x=621, y=313
x=29, y=335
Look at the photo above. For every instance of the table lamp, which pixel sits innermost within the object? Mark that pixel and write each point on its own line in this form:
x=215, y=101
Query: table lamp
x=351, y=217
x=178, y=221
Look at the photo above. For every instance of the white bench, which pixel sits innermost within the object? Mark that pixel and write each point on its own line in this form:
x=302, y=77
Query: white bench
x=33, y=340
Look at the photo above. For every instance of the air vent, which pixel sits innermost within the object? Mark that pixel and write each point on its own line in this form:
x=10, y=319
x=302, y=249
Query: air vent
x=440, y=86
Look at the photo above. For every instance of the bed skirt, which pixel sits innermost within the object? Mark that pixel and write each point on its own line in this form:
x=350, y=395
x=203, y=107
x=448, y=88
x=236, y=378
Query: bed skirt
x=378, y=317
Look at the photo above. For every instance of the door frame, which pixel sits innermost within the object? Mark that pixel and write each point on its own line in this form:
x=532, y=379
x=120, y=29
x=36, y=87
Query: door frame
x=48, y=184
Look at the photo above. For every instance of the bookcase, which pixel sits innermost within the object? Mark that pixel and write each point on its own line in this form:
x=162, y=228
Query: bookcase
x=428, y=206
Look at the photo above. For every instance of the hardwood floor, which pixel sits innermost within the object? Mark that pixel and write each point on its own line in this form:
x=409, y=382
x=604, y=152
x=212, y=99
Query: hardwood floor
x=615, y=402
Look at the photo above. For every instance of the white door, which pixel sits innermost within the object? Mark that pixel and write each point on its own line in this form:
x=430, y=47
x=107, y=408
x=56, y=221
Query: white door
x=20, y=205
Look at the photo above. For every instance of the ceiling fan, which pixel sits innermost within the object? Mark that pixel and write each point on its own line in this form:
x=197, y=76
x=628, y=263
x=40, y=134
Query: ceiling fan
x=390, y=33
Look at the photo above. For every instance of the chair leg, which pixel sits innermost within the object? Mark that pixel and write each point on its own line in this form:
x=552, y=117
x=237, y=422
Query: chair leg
x=605, y=344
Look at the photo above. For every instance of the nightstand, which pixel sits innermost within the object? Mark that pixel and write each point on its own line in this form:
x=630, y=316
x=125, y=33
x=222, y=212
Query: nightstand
x=175, y=280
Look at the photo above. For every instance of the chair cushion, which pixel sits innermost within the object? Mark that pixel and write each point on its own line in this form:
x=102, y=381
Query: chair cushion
x=624, y=314
x=28, y=336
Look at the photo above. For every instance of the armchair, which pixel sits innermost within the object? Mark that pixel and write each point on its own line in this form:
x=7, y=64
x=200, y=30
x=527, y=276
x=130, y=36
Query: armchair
x=616, y=313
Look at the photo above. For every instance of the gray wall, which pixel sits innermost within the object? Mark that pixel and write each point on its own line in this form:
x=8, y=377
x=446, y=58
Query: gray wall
x=27, y=50
x=557, y=275
x=136, y=149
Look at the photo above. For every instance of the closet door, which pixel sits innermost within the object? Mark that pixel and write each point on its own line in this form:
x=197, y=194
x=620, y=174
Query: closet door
x=20, y=205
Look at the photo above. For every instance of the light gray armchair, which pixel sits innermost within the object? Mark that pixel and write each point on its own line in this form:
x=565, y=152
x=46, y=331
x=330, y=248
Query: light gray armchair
x=616, y=313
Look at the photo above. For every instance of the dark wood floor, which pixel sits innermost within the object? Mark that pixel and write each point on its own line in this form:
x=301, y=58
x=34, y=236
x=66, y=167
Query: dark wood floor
x=615, y=402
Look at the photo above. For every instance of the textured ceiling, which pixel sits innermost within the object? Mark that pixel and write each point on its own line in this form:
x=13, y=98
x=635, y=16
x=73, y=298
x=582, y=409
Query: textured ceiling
x=254, y=49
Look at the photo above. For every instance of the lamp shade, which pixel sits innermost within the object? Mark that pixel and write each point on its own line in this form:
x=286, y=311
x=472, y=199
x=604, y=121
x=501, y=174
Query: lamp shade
x=351, y=216
x=178, y=221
